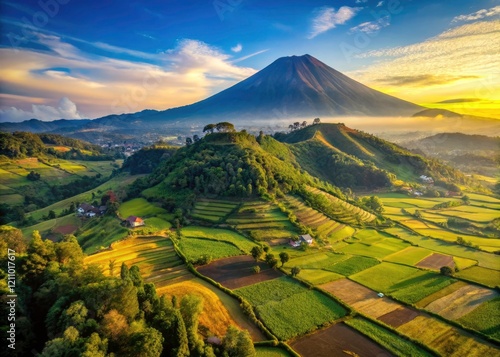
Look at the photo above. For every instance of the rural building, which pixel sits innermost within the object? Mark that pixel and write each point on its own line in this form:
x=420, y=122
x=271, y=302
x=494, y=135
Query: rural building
x=426, y=179
x=306, y=238
x=380, y=294
x=134, y=221
x=87, y=210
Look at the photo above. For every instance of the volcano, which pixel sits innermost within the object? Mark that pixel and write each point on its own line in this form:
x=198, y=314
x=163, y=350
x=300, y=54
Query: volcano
x=296, y=86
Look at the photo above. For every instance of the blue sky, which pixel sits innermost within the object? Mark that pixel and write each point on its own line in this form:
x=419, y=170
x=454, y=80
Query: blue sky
x=85, y=59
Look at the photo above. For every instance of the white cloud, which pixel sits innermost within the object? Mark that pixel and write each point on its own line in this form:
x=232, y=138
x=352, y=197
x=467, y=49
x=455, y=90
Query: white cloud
x=66, y=109
x=361, y=1
x=237, y=48
x=478, y=15
x=464, y=60
x=103, y=85
x=380, y=3
x=326, y=18
x=373, y=26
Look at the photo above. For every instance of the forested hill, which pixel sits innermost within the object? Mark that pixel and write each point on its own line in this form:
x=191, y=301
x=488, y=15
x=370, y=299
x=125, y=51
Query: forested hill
x=352, y=158
x=222, y=164
x=20, y=145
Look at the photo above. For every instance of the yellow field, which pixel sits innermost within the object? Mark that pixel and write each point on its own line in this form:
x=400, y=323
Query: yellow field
x=447, y=340
x=219, y=312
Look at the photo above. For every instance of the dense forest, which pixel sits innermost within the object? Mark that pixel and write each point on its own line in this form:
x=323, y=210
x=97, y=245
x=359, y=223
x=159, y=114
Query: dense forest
x=147, y=159
x=65, y=308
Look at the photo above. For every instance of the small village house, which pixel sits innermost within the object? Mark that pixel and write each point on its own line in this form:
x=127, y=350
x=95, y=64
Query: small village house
x=305, y=238
x=134, y=221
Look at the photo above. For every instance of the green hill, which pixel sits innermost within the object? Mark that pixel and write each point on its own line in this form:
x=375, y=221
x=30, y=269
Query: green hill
x=352, y=158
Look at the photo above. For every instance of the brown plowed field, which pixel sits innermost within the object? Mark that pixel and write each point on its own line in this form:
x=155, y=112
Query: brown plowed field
x=436, y=261
x=399, y=316
x=237, y=272
x=338, y=340
x=361, y=298
x=459, y=303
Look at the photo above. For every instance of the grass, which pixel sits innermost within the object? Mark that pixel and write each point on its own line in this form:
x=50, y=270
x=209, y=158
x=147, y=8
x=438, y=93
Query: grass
x=387, y=339
x=299, y=314
x=370, y=236
x=223, y=235
x=385, y=276
x=353, y=265
x=270, y=352
x=415, y=289
x=139, y=207
x=271, y=290
x=481, y=275
x=463, y=263
x=485, y=318
x=195, y=248
x=409, y=256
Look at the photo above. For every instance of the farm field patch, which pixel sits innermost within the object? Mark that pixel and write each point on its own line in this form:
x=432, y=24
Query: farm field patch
x=436, y=261
x=270, y=352
x=217, y=234
x=388, y=339
x=219, y=309
x=447, y=340
x=338, y=340
x=484, y=259
x=236, y=272
x=378, y=250
x=399, y=317
x=461, y=302
x=194, y=248
x=485, y=318
x=409, y=256
x=385, y=276
x=353, y=265
x=360, y=297
x=418, y=287
x=481, y=275
x=318, y=276
x=299, y=314
x=139, y=207
x=271, y=290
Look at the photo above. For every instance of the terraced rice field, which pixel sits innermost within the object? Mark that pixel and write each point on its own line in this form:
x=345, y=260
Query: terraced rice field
x=212, y=210
x=262, y=221
x=321, y=224
x=344, y=211
x=155, y=256
x=139, y=207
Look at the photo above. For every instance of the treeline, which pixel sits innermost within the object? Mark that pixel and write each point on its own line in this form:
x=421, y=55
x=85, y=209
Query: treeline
x=66, y=308
x=147, y=159
x=19, y=145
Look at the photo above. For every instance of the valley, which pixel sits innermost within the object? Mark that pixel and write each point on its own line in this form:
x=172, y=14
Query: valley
x=221, y=219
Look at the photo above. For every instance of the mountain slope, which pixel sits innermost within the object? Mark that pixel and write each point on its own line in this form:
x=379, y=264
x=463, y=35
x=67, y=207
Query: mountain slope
x=351, y=158
x=295, y=86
